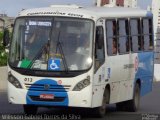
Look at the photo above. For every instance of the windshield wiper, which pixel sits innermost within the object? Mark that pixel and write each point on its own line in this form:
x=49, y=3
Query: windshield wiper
x=39, y=54
x=59, y=45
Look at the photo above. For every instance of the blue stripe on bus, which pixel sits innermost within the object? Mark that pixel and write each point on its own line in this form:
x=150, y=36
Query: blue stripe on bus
x=38, y=91
x=145, y=71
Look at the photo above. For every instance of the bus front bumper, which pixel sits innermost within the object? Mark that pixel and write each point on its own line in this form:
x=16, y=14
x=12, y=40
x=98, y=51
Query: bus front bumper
x=71, y=98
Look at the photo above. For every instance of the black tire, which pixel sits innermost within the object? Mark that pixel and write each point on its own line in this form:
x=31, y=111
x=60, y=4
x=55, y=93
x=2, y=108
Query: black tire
x=133, y=105
x=30, y=109
x=101, y=111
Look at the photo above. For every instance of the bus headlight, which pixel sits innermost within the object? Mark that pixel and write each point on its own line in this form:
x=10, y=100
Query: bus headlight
x=14, y=81
x=82, y=84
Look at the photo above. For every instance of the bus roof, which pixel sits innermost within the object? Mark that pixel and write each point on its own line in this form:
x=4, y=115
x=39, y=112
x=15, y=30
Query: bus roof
x=86, y=12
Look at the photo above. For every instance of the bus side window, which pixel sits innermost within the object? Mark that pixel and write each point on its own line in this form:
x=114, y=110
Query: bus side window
x=147, y=34
x=135, y=35
x=151, y=34
x=111, y=38
x=99, y=47
x=123, y=39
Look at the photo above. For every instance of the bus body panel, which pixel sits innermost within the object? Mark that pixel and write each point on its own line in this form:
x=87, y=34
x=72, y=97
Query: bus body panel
x=119, y=72
x=145, y=71
x=121, y=83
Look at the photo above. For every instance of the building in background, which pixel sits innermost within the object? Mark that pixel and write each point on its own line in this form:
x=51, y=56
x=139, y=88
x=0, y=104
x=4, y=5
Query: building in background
x=130, y=3
x=7, y=20
x=1, y=24
x=123, y=3
x=156, y=21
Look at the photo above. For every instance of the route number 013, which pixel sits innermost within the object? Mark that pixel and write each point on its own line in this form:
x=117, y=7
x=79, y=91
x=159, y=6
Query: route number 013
x=28, y=79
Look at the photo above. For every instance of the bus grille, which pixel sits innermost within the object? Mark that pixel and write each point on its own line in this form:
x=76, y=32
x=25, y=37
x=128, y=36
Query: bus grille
x=51, y=88
x=56, y=99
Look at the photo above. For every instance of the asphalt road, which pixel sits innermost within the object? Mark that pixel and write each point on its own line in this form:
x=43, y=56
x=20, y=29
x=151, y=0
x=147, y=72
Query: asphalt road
x=149, y=110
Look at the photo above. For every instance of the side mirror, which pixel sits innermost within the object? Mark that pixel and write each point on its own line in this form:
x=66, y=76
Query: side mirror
x=6, y=37
x=12, y=25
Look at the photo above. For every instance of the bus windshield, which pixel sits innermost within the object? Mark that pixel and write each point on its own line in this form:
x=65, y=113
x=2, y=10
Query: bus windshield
x=52, y=43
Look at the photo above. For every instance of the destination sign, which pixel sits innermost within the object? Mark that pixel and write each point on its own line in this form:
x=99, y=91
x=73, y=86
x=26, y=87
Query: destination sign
x=56, y=13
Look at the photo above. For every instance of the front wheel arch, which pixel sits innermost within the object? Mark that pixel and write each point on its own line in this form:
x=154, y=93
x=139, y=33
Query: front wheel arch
x=101, y=111
x=109, y=91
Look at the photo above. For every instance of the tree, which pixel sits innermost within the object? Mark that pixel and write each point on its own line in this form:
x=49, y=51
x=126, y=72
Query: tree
x=3, y=53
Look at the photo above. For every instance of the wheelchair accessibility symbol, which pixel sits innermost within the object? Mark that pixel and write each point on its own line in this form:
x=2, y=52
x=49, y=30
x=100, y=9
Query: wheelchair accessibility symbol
x=54, y=64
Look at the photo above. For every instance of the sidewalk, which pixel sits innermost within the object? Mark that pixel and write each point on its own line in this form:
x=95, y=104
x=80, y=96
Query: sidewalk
x=3, y=78
x=157, y=72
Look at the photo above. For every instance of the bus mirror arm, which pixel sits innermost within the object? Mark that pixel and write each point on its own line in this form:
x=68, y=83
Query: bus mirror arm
x=6, y=37
x=12, y=25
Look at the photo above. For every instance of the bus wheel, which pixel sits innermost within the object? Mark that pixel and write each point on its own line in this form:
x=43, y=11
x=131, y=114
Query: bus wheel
x=133, y=105
x=101, y=111
x=30, y=109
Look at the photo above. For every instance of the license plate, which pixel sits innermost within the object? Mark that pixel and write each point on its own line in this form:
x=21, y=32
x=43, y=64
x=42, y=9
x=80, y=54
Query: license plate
x=46, y=96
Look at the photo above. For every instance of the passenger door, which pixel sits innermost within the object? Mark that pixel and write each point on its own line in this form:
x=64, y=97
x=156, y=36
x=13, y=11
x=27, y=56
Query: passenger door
x=99, y=76
x=99, y=54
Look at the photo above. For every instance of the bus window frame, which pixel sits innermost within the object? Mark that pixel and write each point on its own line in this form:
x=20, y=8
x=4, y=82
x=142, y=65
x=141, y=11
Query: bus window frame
x=150, y=34
x=127, y=36
x=111, y=37
x=95, y=49
x=139, y=35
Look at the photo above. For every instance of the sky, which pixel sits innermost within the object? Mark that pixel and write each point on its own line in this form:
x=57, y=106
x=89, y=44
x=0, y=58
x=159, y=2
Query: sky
x=12, y=7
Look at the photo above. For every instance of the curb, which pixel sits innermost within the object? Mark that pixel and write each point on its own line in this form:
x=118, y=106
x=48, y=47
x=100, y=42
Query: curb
x=2, y=67
x=3, y=78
